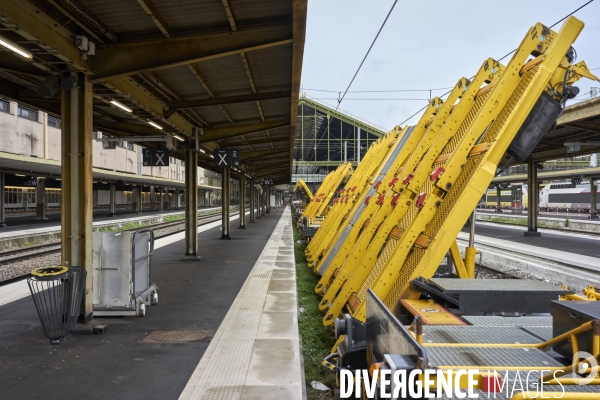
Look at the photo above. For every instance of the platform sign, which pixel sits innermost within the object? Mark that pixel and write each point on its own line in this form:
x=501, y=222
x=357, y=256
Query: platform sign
x=155, y=157
x=160, y=158
x=235, y=157
x=222, y=158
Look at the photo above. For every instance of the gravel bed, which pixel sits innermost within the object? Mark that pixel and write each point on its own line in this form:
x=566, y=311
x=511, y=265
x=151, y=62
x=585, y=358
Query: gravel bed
x=24, y=267
x=13, y=270
x=32, y=251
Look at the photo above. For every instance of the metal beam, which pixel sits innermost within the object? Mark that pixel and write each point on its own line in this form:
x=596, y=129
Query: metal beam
x=262, y=153
x=128, y=86
x=132, y=58
x=76, y=184
x=212, y=134
x=214, y=101
x=588, y=126
x=259, y=167
x=191, y=205
x=257, y=141
x=14, y=63
x=562, y=152
x=34, y=24
x=299, y=34
x=579, y=111
x=129, y=128
x=156, y=17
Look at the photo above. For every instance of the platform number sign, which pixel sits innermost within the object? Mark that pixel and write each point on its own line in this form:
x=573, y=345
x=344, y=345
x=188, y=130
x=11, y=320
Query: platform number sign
x=235, y=157
x=575, y=181
x=155, y=157
x=226, y=158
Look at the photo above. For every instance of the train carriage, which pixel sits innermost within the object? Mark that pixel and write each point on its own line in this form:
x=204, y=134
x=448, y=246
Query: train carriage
x=566, y=195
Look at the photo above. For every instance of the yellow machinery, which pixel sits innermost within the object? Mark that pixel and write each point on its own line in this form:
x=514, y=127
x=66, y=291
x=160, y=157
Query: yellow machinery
x=320, y=201
x=390, y=248
x=435, y=135
x=302, y=185
x=445, y=180
x=350, y=196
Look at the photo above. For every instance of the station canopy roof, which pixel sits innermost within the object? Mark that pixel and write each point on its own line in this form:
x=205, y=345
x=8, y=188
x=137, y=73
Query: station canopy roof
x=229, y=67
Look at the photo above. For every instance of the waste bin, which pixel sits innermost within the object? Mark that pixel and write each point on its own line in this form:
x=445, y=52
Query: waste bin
x=56, y=293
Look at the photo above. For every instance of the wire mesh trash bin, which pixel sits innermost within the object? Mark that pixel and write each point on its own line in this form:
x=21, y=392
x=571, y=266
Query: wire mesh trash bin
x=122, y=273
x=56, y=293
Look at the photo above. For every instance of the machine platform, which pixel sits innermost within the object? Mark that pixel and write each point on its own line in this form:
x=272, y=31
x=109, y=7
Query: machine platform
x=493, y=296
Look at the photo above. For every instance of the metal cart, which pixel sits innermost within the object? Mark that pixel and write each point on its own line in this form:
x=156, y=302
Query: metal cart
x=122, y=273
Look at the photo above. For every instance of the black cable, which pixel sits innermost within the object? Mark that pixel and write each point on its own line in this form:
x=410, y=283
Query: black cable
x=368, y=51
x=551, y=26
x=377, y=91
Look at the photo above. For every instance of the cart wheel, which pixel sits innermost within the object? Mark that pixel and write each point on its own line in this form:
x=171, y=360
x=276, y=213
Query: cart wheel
x=154, y=299
x=142, y=312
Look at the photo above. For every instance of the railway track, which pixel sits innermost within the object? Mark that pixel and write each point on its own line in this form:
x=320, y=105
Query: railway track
x=18, y=255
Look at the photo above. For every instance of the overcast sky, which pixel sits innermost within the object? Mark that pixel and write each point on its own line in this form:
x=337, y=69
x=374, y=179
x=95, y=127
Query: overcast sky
x=424, y=45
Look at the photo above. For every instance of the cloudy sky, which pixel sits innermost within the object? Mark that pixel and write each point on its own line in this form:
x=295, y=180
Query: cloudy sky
x=424, y=45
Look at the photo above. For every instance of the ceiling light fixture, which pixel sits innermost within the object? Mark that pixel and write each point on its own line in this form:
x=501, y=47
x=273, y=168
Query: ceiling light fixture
x=203, y=151
x=154, y=124
x=120, y=105
x=19, y=175
x=178, y=138
x=16, y=48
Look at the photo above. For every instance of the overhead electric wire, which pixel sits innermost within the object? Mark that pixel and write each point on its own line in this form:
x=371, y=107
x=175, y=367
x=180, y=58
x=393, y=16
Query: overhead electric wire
x=551, y=26
x=377, y=91
x=368, y=51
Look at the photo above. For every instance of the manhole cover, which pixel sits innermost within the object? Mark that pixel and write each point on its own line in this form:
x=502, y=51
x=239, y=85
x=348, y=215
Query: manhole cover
x=179, y=336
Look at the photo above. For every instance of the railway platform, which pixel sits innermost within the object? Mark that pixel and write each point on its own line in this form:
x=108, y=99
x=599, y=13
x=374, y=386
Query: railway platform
x=218, y=321
x=558, y=257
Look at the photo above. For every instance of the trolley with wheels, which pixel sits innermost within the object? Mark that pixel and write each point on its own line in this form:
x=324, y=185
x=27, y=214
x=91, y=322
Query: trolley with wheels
x=122, y=273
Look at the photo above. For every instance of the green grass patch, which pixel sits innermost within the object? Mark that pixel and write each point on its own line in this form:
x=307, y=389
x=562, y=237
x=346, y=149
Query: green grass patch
x=508, y=220
x=125, y=227
x=172, y=218
x=317, y=340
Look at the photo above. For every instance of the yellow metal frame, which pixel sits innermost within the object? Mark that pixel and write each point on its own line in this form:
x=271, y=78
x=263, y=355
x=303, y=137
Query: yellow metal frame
x=352, y=197
x=302, y=185
x=350, y=194
x=448, y=123
x=321, y=199
x=448, y=198
x=379, y=205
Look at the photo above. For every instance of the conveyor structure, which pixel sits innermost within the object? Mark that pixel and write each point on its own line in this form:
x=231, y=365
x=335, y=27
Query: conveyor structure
x=319, y=203
x=399, y=215
x=302, y=185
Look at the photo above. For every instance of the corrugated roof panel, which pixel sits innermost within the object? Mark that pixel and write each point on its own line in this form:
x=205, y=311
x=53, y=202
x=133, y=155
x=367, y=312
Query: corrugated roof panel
x=276, y=108
x=246, y=12
x=244, y=112
x=186, y=17
x=126, y=19
x=182, y=81
x=271, y=67
x=213, y=115
x=226, y=75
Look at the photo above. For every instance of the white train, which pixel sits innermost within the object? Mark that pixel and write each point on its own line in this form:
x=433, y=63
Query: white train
x=566, y=195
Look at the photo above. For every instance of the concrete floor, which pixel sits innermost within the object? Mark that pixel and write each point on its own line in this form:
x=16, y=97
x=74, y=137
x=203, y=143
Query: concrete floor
x=120, y=365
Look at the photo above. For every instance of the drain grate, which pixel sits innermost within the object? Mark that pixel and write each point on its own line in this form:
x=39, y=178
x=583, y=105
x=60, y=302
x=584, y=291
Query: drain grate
x=179, y=336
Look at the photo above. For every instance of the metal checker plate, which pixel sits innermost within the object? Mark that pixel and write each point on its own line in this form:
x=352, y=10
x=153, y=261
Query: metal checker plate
x=488, y=356
x=450, y=285
x=476, y=334
x=508, y=321
x=543, y=332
